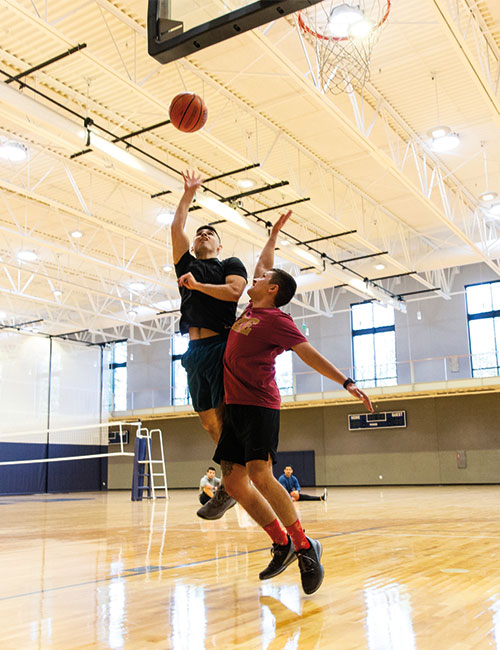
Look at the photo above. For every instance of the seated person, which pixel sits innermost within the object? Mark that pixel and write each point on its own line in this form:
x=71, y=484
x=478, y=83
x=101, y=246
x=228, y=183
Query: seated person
x=208, y=485
x=292, y=486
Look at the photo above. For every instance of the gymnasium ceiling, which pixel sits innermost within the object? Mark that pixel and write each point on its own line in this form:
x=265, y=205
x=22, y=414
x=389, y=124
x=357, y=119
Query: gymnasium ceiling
x=362, y=160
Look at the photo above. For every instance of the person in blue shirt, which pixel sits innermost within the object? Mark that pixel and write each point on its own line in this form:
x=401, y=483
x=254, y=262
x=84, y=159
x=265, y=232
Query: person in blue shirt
x=292, y=486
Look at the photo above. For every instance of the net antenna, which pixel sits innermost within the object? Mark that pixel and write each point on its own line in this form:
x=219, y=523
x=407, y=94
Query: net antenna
x=343, y=35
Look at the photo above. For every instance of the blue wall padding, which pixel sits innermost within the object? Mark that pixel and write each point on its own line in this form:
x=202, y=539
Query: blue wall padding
x=22, y=479
x=64, y=476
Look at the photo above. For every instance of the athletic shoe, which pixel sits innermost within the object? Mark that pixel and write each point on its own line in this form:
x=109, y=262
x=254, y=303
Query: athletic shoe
x=282, y=557
x=311, y=569
x=217, y=506
x=325, y=495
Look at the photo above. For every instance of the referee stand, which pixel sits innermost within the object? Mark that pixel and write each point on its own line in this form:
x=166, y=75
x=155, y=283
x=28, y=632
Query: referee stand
x=148, y=473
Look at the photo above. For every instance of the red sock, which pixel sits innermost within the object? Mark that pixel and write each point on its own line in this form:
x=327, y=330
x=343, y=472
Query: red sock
x=276, y=533
x=298, y=537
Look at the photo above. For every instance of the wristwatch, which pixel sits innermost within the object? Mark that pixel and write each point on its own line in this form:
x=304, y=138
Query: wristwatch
x=347, y=382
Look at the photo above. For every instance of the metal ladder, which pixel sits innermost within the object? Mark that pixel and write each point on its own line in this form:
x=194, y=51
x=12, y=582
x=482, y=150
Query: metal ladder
x=151, y=465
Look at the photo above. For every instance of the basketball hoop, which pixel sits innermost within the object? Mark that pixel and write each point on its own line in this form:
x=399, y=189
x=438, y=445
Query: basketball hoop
x=343, y=34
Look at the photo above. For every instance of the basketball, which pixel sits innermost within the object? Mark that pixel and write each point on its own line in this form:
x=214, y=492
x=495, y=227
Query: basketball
x=188, y=112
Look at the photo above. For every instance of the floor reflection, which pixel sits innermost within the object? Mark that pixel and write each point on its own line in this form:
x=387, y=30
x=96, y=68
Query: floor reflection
x=283, y=616
x=388, y=618
x=495, y=609
x=188, y=617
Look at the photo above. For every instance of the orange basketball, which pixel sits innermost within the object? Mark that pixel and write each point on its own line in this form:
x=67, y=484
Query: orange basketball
x=188, y=112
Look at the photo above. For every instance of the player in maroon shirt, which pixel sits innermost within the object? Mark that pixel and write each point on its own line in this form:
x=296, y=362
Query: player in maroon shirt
x=247, y=447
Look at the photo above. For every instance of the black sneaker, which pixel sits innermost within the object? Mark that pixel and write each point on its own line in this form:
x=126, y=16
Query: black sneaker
x=282, y=557
x=217, y=506
x=311, y=569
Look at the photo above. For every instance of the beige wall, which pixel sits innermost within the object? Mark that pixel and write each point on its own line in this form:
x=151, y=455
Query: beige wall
x=423, y=453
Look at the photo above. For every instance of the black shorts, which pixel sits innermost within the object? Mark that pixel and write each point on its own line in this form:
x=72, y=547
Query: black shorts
x=203, y=363
x=248, y=433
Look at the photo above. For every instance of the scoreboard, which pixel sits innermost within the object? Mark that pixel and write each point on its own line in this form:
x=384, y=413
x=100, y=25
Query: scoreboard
x=384, y=420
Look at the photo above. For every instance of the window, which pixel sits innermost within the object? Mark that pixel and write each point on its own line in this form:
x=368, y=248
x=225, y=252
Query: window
x=284, y=373
x=118, y=376
x=373, y=344
x=180, y=391
x=483, y=317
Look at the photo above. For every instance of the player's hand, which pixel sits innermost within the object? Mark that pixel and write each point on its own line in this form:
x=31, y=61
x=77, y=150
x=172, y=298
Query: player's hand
x=192, y=180
x=281, y=222
x=189, y=281
x=295, y=495
x=359, y=394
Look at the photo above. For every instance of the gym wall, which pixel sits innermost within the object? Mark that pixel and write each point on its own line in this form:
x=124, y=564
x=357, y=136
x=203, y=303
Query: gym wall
x=425, y=452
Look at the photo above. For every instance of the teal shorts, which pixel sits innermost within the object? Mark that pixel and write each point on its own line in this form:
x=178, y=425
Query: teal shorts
x=203, y=362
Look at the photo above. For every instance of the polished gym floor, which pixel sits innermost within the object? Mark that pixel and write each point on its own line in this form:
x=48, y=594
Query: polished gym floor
x=406, y=568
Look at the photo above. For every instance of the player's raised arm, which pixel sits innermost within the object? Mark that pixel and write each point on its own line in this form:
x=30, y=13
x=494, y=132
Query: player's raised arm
x=318, y=362
x=266, y=259
x=180, y=241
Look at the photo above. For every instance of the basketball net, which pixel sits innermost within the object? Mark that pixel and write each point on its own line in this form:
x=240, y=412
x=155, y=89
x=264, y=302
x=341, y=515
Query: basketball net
x=343, y=34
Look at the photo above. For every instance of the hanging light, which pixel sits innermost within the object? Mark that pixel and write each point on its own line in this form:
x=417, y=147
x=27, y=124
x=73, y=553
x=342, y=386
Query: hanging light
x=443, y=139
x=361, y=28
x=486, y=197
x=245, y=183
x=27, y=256
x=342, y=18
x=165, y=218
x=137, y=286
x=167, y=268
x=57, y=293
x=14, y=152
x=76, y=234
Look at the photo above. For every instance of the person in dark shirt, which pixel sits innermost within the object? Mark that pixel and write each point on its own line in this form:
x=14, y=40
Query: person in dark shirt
x=292, y=486
x=210, y=289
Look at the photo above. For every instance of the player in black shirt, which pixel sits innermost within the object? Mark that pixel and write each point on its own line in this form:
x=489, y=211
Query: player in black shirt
x=210, y=289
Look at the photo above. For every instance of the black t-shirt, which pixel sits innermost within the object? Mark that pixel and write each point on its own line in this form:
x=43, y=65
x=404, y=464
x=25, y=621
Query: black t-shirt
x=198, y=309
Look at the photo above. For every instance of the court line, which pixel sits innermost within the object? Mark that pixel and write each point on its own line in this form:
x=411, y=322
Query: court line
x=130, y=573
x=21, y=500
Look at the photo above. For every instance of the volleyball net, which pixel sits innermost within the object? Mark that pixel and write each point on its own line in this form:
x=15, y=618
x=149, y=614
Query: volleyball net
x=67, y=443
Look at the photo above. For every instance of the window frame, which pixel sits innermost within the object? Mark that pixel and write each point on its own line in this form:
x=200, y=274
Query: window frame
x=484, y=315
x=113, y=365
x=176, y=359
x=372, y=382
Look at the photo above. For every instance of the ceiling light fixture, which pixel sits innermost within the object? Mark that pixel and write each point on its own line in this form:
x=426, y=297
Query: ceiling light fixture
x=167, y=268
x=57, y=293
x=342, y=18
x=443, y=139
x=14, y=152
x=361, y=28
x=165, y=218
x=284, y=242
x=379, y=267
x=245, y=183
x=486, y=197
x=132, y=313
x=76, y=234
x=137, y=286
x=27, y=256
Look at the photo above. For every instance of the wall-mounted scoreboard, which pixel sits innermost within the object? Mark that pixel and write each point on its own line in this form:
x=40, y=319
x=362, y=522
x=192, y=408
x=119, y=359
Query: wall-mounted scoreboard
x=384, y=420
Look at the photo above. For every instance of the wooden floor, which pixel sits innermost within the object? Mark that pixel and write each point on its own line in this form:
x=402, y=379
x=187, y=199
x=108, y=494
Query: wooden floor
x=406, y=568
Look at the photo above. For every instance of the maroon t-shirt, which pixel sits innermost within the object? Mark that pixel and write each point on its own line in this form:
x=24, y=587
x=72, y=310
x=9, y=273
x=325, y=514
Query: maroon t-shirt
x=254, y=341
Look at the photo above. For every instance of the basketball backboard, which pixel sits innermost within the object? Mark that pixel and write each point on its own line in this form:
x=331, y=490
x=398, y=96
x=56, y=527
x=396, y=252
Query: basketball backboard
x=177, y=28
